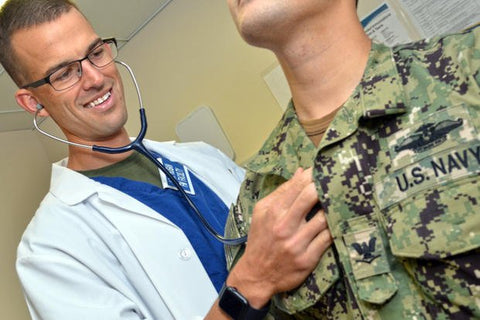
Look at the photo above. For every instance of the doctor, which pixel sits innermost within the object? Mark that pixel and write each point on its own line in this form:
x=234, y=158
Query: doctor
x=112, y=239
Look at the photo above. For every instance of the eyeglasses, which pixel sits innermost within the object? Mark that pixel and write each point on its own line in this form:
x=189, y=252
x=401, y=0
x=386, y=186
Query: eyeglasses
x=68, y=75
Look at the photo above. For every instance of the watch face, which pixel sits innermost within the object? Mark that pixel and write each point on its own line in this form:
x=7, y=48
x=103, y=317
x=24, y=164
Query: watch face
x=232, y=302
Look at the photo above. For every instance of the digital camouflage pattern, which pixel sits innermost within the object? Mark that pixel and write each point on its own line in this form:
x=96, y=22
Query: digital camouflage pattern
x=397, y=174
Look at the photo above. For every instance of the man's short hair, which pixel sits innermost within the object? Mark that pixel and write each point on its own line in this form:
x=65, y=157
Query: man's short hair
x=16, y=15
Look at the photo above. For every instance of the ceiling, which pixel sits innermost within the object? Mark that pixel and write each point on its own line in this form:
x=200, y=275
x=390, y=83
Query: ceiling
x=121, y=19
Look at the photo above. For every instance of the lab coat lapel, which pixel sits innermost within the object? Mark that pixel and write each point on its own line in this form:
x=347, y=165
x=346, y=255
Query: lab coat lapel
x=72, y=188
x=123, y=202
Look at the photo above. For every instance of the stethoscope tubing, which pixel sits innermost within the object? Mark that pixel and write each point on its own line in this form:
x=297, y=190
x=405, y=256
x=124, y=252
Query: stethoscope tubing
x=137, y=145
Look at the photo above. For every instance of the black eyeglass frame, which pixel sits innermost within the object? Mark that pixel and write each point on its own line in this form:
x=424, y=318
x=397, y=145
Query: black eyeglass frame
x=46, y=80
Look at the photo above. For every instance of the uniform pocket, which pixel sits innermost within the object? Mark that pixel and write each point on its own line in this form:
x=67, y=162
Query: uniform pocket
x=368, y=260
x=437, y=223
x=429, y=193
x=436, y=236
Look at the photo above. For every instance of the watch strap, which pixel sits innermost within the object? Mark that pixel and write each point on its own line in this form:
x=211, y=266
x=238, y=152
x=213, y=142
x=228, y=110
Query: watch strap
x=256, y=314
x=246, y=312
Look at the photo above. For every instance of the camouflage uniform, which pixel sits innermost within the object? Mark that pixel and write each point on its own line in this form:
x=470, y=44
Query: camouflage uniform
x=397, y=174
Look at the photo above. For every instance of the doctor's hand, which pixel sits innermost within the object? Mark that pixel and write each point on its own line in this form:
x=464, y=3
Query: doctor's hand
x=283, y=247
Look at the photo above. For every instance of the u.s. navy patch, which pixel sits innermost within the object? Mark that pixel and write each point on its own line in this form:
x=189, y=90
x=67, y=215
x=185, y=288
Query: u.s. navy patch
x=179, y=172
x=441, y=148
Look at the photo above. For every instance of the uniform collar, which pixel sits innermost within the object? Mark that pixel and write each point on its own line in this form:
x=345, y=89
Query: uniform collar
x=381, y=89
x=287, y=148
x=380, y=93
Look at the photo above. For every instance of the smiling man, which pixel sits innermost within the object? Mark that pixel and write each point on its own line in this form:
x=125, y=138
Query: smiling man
x=113, y=239
x=91, y=111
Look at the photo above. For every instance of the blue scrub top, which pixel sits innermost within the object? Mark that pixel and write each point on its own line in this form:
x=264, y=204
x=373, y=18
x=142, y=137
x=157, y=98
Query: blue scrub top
x=170, y=203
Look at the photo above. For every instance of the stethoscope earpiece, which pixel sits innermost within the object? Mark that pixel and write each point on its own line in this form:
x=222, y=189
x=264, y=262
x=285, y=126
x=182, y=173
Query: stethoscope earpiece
x=39, y=107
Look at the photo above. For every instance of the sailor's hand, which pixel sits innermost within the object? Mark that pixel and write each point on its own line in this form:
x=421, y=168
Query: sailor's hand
x=283, y=247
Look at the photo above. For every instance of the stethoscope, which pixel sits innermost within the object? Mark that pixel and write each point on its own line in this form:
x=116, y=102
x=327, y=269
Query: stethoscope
x=137, y=145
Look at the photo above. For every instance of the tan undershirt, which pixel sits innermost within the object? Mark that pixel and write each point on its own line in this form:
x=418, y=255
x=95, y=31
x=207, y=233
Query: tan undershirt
x=317, y=127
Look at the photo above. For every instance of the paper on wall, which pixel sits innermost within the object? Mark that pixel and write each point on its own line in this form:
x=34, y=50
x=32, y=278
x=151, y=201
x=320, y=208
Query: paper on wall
x=383, y=25
x=435, y=17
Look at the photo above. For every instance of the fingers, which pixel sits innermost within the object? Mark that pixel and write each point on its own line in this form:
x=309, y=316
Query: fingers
x=315, y=234
x=314, y=238
x=289, y=205
x=319, y=245
x=283, y=246
x=316, y=224
x=288, y=192
x=303, y=203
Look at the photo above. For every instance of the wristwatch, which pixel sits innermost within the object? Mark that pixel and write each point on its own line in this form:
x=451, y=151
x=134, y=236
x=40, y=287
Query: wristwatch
x=237, y=307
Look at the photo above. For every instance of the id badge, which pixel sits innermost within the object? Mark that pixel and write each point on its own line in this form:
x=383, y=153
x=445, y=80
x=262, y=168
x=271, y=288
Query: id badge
x=179, y=172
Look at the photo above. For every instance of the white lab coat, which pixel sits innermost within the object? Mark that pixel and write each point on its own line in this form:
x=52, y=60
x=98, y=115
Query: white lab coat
x=92, y=252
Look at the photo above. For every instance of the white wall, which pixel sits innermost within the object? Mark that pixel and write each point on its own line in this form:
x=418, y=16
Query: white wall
x=192, y=55
x=24, y=180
